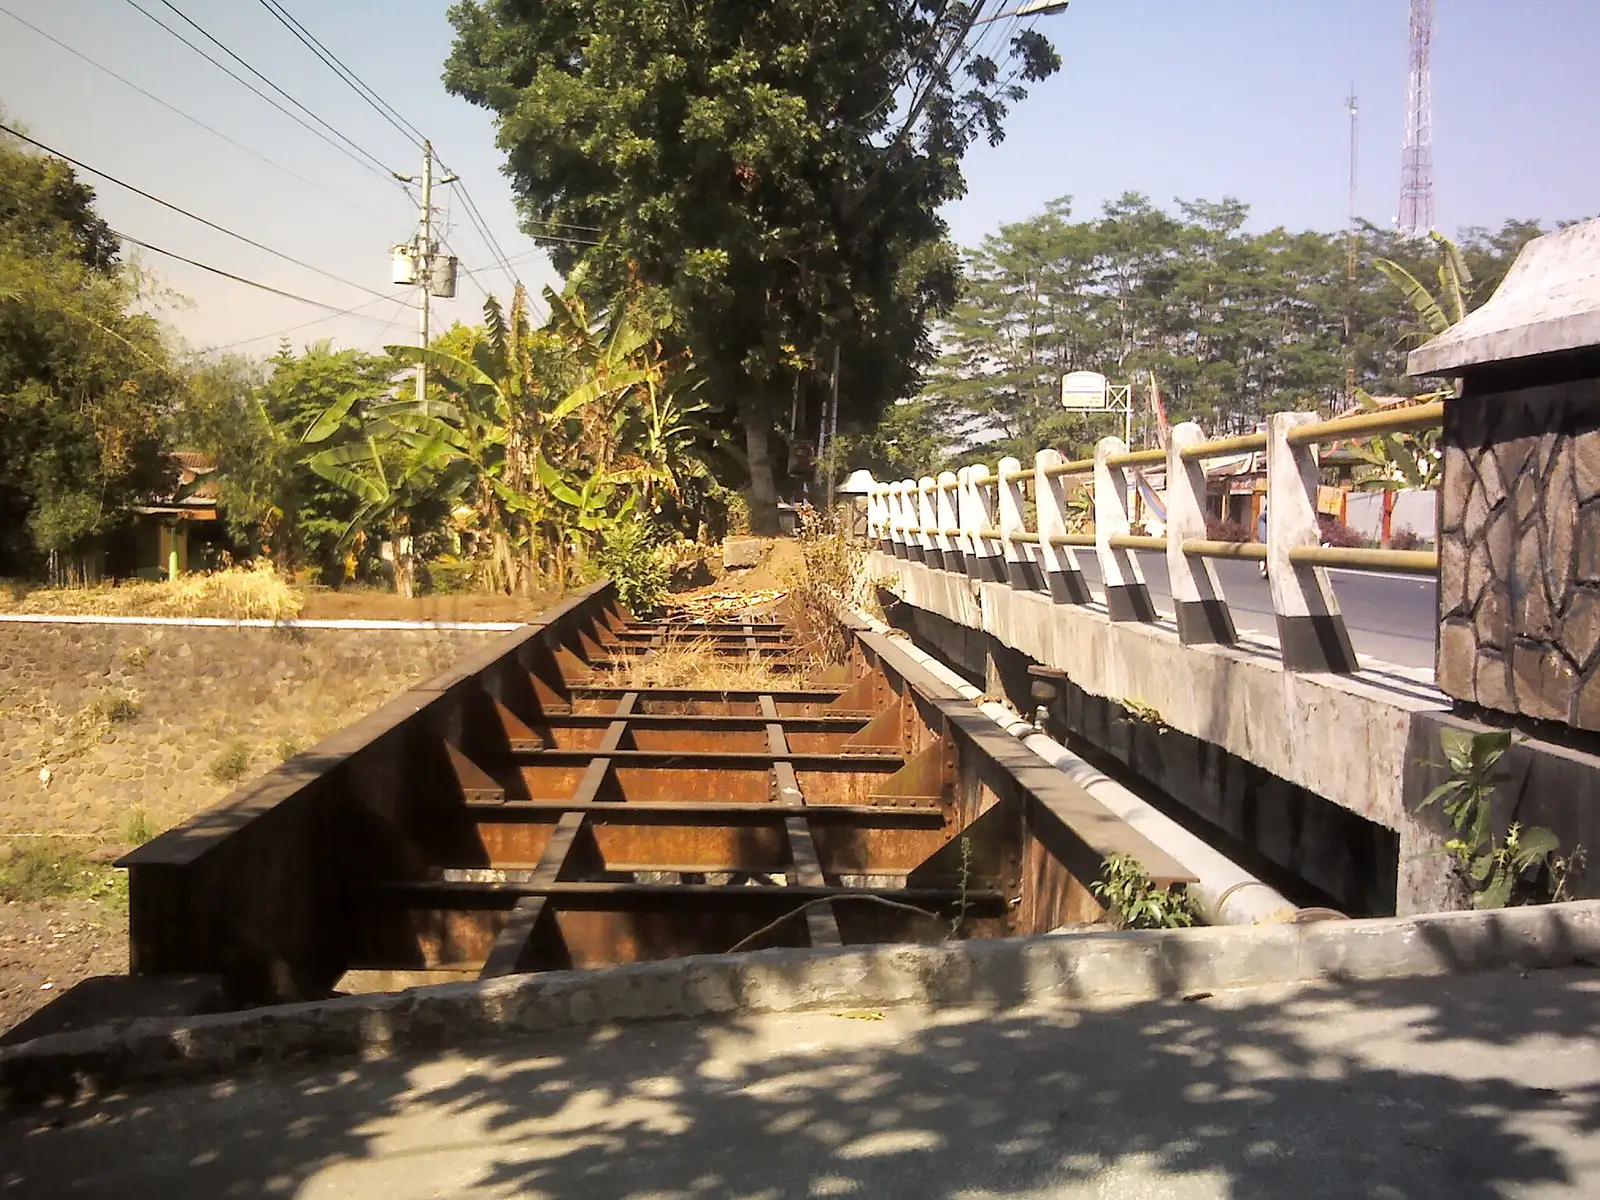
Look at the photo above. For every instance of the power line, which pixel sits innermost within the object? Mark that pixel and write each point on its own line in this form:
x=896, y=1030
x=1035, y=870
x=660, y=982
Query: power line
x=380, y=170
x=384, y=109
x=405, y=303
x=198, y=28
x=348, y=312
x=339, y=312
x=187, y=117
x=138, y=191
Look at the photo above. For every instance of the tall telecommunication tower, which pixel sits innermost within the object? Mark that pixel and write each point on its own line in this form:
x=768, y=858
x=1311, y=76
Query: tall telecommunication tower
x=1416, y=165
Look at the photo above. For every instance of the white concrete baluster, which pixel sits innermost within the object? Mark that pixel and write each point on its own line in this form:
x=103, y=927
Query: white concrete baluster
x=1062, y=573
x=1311, y=630
x=908, y=512
x=1201, y=608
x=944, y=512
x=891, y=505
x=1022, y=567
x=1127, y=597
x=926, y=524
x=967, y=522
x=991, y=558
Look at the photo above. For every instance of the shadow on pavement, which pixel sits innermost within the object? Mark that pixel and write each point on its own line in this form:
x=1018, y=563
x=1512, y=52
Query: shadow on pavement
x=1467, y=1087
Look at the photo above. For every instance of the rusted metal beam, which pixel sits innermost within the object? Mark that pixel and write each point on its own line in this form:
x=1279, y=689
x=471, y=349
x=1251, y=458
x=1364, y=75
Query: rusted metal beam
x=515, y=945
x=821, y=923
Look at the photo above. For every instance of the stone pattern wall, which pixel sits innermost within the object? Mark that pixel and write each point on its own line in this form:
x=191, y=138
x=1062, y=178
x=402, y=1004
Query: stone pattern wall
x=1519, y=552
x=130, y=719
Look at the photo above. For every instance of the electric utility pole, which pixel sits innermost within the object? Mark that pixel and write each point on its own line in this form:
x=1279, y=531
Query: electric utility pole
x=424, y=254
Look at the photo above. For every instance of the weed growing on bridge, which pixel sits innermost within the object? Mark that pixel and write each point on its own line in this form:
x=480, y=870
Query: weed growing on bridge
x=1134, y=900
x=230, y=765
x=1492, y=864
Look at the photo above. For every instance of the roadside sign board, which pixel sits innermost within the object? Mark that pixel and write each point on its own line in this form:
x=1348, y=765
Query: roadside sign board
x=1084, y=391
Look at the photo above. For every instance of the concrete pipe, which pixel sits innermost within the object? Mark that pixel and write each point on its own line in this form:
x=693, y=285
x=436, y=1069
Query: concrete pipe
x=1225, y=893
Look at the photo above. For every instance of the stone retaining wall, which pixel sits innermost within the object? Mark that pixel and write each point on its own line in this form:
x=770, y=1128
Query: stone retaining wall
x=1519, y=553
x=132, y=719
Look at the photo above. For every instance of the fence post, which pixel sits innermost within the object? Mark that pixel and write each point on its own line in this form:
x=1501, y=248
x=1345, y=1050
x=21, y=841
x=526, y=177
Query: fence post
x=925, y=524
x=1022, y=572
x=987, y=564
x=1311, y=631
x=1197, y=597
x=1127, y=597
x=944, y=511
x=1061, y=570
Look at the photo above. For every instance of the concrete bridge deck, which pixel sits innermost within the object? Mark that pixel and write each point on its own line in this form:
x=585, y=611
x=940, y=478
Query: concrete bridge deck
x=1469, y=1087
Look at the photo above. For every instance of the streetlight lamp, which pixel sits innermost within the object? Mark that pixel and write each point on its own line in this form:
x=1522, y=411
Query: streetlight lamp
x=1033, y=8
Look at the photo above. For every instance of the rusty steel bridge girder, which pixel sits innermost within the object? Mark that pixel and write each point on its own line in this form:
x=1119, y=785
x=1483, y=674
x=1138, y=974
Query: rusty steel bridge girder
x=524, y=813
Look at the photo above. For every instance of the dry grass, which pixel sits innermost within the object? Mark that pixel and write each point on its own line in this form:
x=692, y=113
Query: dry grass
x=694, y=664
x=239, y=593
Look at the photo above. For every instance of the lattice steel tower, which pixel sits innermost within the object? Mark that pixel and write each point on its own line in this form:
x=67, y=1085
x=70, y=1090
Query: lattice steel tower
x=1416, y=165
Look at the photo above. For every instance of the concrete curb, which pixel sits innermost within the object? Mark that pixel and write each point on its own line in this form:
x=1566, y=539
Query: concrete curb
x=1059, y=969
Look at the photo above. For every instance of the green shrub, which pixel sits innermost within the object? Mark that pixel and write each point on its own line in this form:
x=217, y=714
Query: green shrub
x=1135, y=902
x=448, y=575
x=629, y=557
x=230, y=765
x=287, y=749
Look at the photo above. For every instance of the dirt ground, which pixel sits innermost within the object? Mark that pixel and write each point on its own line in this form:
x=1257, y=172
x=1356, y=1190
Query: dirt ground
x=47, y=946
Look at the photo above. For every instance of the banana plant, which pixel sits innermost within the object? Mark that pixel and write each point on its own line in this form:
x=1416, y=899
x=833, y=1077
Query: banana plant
x=1436, y=312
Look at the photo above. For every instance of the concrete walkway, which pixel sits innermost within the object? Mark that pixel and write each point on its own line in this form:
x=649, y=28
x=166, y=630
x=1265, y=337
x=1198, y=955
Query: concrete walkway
x=1467, y=1087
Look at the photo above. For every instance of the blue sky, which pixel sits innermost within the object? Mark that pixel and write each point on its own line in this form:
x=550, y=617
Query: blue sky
x=1190, y=98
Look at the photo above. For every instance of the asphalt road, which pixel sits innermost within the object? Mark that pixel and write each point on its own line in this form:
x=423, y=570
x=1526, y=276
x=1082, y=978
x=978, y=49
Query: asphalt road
x=1463, y=1087
x=1392, y=617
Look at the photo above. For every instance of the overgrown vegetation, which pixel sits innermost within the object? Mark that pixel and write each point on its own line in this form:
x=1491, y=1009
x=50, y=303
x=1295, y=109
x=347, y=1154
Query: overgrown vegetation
x=1493, y=866
x=254, y=592
x=1134, y=901
x=137, y=828
x=629, y=557
x=696, y=664
x=49, y=869
x=232, y=762
x=828, y=576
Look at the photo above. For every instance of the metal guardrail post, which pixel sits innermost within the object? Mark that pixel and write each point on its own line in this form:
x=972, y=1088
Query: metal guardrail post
x=1061, y=570
x=1022, y=571
x=1197, y=597
x=926, y=524
x=1311, y=630
x=944, y=512
x=990, y=565
x=1127, y=596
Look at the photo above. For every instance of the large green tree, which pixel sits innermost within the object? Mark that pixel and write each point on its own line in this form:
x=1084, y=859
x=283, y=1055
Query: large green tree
x=86, y=384
x=777, y=167
x=1232, y=324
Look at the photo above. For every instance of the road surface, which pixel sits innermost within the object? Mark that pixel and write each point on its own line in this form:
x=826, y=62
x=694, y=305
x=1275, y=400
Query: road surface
x=1466, y=1087
x=1392, y=617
